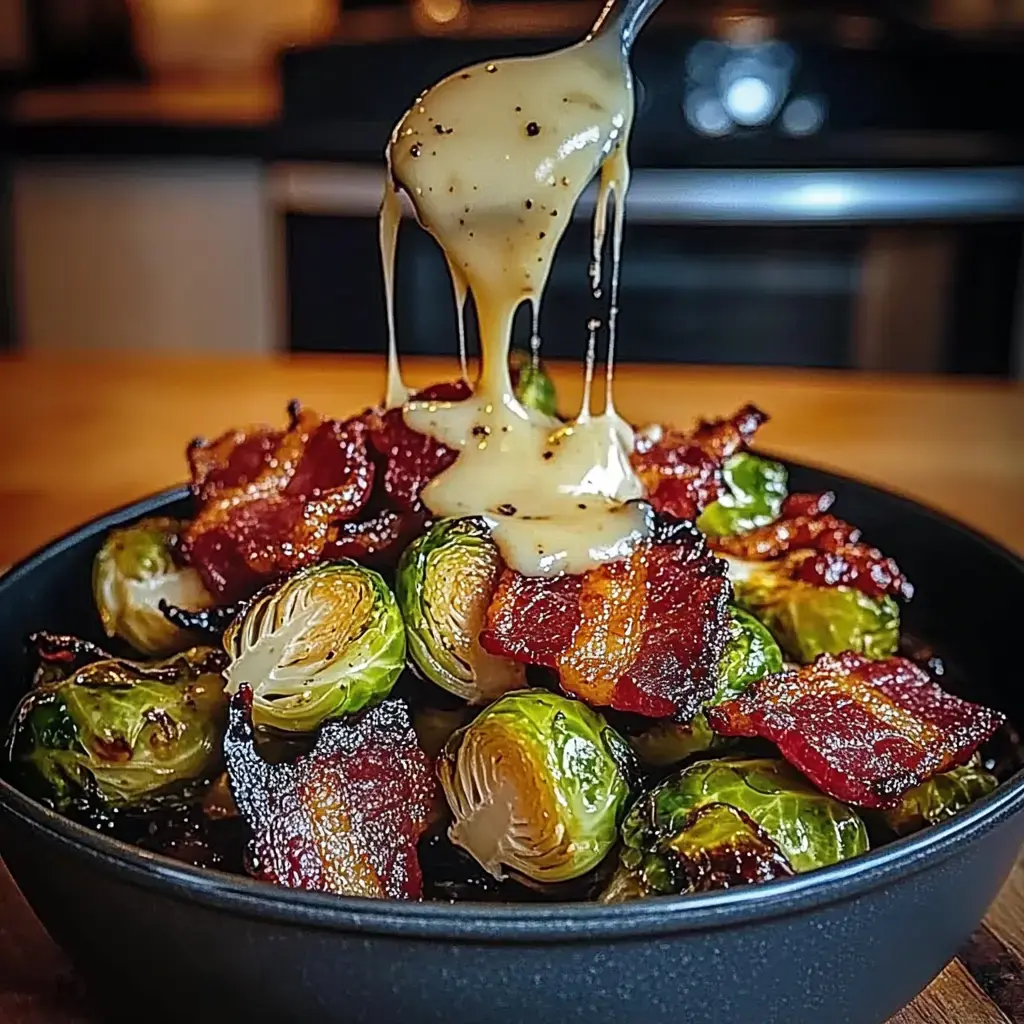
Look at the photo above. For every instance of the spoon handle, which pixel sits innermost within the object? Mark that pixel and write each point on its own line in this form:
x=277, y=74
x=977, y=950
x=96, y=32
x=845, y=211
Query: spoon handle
x=624, y=19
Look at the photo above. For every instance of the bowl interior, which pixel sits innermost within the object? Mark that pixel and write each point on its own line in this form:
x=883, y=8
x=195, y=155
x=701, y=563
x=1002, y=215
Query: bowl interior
x=968, y=589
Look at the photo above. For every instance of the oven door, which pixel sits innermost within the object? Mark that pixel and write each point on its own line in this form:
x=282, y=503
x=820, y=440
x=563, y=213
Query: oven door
x=912, y=269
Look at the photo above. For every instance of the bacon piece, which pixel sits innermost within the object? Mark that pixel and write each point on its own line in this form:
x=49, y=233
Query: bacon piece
x=863, y=731
x=644, y=635
x=823, y=550
x=268, y=499
x=854, y=565
x=378, y=540
x=683, y=472
x=344, y=818
x=799, y=504
x=820, y=533
x=413, y=459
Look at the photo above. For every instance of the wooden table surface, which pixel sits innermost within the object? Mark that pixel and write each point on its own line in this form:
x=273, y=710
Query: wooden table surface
x=84, y=436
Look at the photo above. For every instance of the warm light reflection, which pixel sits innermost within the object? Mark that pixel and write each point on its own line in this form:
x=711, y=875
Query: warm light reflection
x=441, y=12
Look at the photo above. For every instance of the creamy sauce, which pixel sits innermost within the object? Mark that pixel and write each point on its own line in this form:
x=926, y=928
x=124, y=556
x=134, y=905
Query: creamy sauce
x=390, y=219
x=494, y=159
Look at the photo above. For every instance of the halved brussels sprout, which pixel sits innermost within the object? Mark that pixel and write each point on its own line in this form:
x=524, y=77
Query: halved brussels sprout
x=446, y=579
x=327, y=641
x=537, y=785
x=781, y=824
x=667, y=743
x=808, y=620
x=940, y=798
x=534, y=388
x=133, y=572
x=750, y=654
x=755, y=489
x=121, y=730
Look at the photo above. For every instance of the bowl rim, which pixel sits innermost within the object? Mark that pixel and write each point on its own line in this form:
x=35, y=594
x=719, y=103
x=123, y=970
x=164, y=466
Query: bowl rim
x=556, y=923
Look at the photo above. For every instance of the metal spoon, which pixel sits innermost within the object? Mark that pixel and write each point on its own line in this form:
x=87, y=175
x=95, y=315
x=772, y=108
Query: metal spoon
x=623, y=19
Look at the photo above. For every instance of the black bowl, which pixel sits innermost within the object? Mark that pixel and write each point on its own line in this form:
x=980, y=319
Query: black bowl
x=854, y=942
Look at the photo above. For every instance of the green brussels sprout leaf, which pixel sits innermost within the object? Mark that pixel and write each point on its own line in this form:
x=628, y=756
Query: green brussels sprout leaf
x=808, y=620
x=940, y=798
x=122, y=731
x=755, y=489
x=537, y=785
x=133, y=573
x=781, y=823
x=445, y=582
x=327, y=641
x=750, y=654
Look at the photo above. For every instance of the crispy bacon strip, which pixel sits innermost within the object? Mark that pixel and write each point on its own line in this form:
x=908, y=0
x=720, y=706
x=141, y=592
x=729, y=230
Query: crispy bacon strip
x=800, y=504
x=682, y=472
x=377, y=540
x=862, y=731
x=269, y=499
x=823, y=550
x=643, y=635
x=854, y=565
x=412, y=459
x=344, y=818
x=819, y=533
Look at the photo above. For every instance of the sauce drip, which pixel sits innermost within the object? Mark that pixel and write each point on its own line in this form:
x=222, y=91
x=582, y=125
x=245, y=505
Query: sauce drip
x=390, y=220
x=494, y=159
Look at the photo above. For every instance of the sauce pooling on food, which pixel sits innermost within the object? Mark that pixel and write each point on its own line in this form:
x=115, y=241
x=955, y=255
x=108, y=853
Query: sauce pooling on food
x=494, y=159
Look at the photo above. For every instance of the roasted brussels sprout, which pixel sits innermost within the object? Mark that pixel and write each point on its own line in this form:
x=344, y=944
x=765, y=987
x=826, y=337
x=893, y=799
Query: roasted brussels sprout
x=751, y=654
x=534, y=388
x=327, y=641
x=122, y=731
x=808, y=620
x=445, y=582
x=667, y=743
x=940, y=798
x=755, y=489
x=133, y=573
x=537, y=785
x=730, y=822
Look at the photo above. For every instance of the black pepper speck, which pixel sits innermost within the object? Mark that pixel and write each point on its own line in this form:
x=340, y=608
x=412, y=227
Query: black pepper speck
x=507, y=510
x=415, y=149
x=533, y=129
x=542, y=234
x=529, y=204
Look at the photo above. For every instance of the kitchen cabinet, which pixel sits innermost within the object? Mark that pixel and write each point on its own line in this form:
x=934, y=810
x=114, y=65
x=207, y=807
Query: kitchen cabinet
x=144, y=255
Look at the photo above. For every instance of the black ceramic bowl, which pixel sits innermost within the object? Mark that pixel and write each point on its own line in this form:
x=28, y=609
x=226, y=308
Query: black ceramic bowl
x=850, y=943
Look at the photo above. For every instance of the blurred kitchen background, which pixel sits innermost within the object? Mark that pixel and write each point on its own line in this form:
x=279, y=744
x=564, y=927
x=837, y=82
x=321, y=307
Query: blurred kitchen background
x=836, y=184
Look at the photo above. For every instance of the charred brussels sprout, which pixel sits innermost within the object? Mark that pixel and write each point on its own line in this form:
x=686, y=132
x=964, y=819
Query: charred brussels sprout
x=445, y=582
x=808, y=620
x=750, y=654
x=755, y=489
x=731, y=822
x=667, y=743
x=534, y=388
x=537, y=785
x=325, y=642
x=940, y=798
x=122, y=731
x=132, y=574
